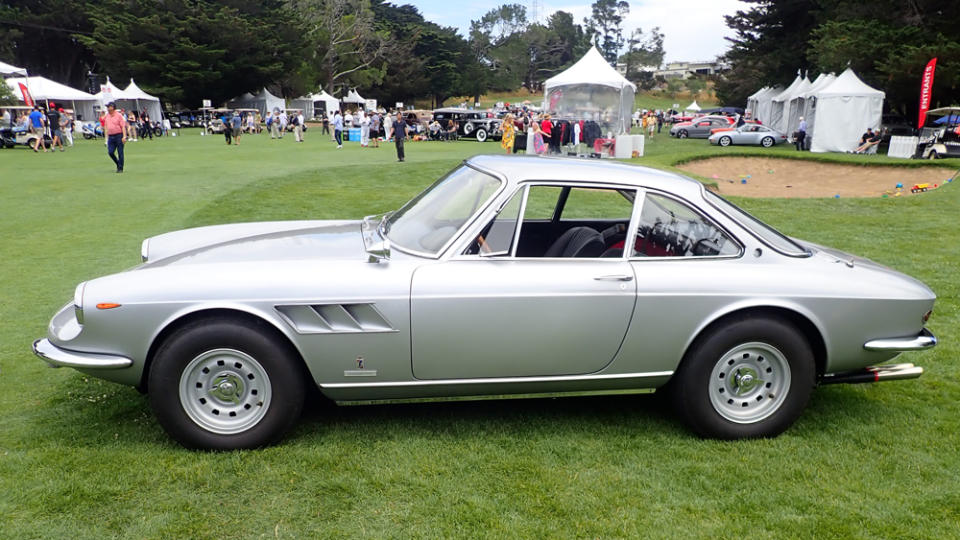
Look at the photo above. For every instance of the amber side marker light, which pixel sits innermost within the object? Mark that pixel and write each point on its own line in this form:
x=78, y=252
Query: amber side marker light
x=926, y=316
x=107, y=305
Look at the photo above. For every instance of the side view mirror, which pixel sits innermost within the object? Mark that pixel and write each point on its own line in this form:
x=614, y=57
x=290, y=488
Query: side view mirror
x=379, y=251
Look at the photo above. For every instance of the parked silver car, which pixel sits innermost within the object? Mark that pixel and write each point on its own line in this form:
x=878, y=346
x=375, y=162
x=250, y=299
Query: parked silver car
x=508, y=275
x=754, y=134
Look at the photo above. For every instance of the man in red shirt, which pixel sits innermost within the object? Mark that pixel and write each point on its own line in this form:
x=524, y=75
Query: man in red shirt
x=114, y=125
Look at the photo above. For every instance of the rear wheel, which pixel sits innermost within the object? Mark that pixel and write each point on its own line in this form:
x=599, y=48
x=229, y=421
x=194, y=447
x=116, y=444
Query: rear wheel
x=767, y=142
x=225, y=384
x=749, y=377
x=725, y=141
x=481, y=134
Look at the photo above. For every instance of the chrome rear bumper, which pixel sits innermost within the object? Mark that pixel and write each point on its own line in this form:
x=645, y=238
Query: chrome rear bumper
x=891, y=372
x=57, y=357
x=922, y=341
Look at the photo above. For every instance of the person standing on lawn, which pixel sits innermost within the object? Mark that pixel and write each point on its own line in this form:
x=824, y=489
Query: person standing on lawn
x=399, y=134
x=36, y=127
x=509, y=133
x=115, y=127
x=338, y=129
x=237, y=125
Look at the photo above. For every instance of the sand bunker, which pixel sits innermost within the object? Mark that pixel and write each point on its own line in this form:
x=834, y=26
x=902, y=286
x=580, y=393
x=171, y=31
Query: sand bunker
x=771, y=177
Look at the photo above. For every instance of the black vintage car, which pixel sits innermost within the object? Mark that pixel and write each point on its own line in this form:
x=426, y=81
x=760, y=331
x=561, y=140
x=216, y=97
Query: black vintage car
x=480, y=125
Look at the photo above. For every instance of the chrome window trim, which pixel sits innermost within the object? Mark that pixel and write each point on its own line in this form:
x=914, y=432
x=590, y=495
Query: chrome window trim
x=702, y=213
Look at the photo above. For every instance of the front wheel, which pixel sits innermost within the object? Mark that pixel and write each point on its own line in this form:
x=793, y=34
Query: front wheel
x=726, y=141
x=767, y=142
x=225, y=384
x=682, y=134
x=481, y=135
x=933, y=155
x=749, y=377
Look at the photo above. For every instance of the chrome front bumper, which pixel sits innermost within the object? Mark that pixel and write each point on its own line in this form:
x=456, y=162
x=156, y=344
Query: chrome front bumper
x=924, y=340
x=57, y=357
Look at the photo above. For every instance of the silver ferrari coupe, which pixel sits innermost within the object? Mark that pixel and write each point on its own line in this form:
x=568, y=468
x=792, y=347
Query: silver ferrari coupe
x=509, y=275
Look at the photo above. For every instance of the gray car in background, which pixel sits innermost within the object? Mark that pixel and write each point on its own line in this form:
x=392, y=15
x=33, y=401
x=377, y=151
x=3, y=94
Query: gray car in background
x=509, y=275
x=699, y=128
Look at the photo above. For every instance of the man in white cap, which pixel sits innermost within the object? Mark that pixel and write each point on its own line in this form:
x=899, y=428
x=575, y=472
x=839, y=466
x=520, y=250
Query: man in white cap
x=801, y=134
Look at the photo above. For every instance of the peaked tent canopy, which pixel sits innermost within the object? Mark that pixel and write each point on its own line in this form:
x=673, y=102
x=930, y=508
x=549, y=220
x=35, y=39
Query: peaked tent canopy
x=144, y=101
x=354, y=97
x=693, y=107
x=778, y=113
x=315, y=104
x=591, y=89
x=793, y=106
x=45, y=90
x=844, y=109
x=7, y=70
x=765, y=104
x=753, y=101
x=809, y=103
x=264, y=102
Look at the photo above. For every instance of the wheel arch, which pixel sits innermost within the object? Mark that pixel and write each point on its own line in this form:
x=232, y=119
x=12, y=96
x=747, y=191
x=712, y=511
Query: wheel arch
x=802, y=322
x=185, y=319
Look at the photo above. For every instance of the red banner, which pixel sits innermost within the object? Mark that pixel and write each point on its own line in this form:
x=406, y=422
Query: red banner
x=27, y=98
x=926, y=89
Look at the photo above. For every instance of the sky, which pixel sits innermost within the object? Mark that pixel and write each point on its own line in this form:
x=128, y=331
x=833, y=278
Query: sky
x=693, y=29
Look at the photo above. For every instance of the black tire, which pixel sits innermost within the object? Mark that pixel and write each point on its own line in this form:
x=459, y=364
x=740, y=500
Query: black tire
x=266, y=381
x=725, y=141
x=766, y=142
x=481, y=134
x=158, y=132
x=88, y=136
x=716, y=370
x=682, y=134
x=933, y=155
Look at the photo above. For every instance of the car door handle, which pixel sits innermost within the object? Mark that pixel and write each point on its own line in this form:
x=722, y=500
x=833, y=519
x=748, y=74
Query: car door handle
x=616, y=277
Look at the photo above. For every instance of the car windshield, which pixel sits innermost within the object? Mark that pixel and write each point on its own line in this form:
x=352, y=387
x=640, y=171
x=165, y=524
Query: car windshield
x=432, y=218
x=766, y=233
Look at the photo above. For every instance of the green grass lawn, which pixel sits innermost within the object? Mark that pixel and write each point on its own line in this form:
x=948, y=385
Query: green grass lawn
x=81, y=458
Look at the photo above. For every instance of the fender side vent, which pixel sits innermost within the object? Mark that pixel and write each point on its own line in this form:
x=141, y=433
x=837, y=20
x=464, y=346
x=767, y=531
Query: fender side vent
x=335, y=318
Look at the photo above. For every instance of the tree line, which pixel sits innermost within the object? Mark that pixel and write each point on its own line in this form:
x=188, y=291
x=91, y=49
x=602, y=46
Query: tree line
x=886, y=42
x=188, y=50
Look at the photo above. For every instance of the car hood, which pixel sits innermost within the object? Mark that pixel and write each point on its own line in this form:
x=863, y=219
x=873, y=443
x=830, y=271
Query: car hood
x=247, y=242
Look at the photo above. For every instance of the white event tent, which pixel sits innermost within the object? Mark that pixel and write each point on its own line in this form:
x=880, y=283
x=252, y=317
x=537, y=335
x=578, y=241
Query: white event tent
x=316, y=103
x=45, y=90
x=765, y=104
x=693, y=107
x=8, y=70
x=805, y=103
x=844, y=109
x=793, y=107
x=354, y=98
x=144, y=101
x=753, y=102
x=263, y=102
x=591, y=89
x=779, y=115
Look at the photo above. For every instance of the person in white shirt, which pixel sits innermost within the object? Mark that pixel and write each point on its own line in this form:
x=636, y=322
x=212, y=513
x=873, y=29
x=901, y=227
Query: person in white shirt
x=348, y=119
x=284, y=120
x=364, y=129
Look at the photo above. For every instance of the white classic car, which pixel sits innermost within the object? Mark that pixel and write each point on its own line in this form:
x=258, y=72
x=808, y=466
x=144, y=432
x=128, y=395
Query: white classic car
x=508, y=275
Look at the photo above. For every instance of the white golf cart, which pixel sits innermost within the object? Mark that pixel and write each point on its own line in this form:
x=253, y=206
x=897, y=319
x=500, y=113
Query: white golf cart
x=940, y=137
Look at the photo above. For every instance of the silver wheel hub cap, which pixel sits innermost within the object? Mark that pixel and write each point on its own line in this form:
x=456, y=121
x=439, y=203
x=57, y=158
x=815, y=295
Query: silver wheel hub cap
x=225, y=391
x=749, y=382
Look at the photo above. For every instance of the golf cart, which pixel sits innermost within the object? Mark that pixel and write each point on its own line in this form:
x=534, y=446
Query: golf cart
x=940, y=137
x=20, y=134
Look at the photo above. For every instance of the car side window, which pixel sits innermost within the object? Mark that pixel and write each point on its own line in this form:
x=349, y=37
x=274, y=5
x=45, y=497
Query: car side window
x=496, y=239
x=670, y=228
x=593, y=222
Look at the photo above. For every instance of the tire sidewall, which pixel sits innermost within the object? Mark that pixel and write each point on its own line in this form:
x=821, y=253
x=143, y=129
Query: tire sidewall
x=481, y=135
x=682, y=134
x=766, y=142
x=693, y=379
x=178, y=350
x=725, y=141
